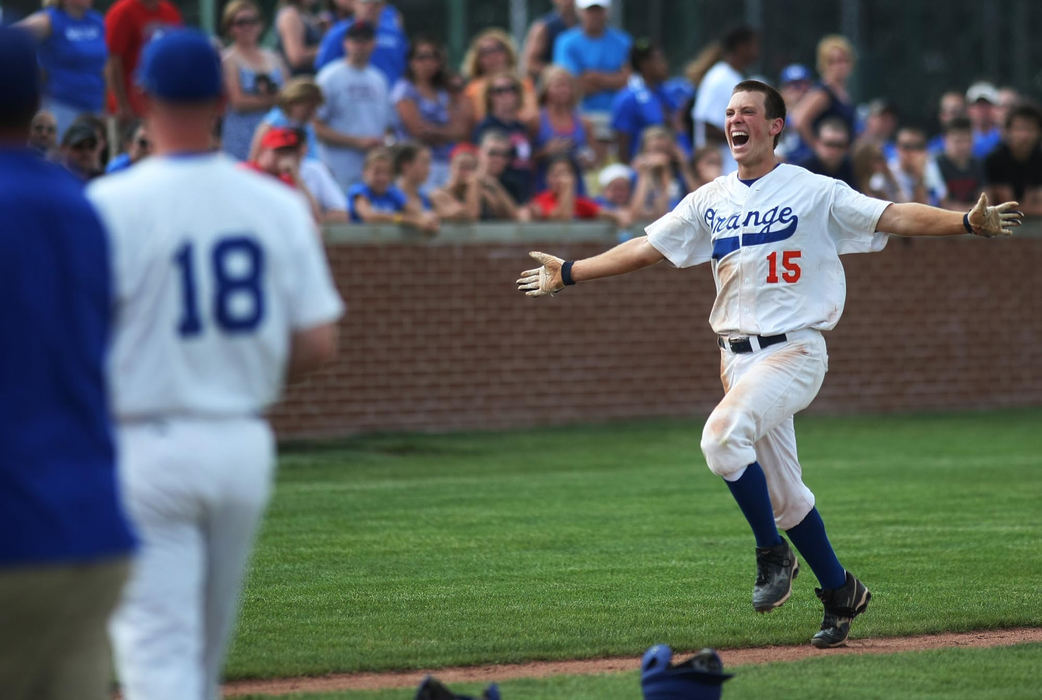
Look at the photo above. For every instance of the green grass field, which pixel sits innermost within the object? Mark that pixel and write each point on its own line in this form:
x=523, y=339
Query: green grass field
x=417, y=551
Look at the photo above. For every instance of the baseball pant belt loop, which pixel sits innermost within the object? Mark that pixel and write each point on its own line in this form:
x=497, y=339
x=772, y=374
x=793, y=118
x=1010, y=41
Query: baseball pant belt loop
x=751, y=343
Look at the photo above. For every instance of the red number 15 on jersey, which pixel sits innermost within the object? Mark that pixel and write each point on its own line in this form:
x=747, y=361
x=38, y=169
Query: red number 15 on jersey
x=791, y=268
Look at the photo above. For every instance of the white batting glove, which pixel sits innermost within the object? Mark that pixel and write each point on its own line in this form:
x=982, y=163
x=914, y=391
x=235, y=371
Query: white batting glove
x=544, y=280
x=998, y=220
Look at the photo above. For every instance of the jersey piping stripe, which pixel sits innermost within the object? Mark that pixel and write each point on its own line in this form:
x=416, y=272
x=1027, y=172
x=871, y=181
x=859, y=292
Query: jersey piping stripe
x=722, y=247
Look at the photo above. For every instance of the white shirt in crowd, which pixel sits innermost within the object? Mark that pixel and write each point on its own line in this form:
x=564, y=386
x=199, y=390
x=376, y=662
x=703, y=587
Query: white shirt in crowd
x=714, y=92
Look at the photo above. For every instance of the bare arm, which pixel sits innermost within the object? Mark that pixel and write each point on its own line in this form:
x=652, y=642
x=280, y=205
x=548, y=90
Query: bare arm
x=535, y=44
x=291, y=32
x=114, y=78
x=807, y=111
x=634, y=254
x=38, y=24
x=237, y=99
x=911, y=219
x=312, y=348
x=337, y=138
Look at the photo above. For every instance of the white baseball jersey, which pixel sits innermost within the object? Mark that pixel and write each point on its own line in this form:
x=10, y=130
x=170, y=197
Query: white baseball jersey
x=774, y=246
x=215, y=267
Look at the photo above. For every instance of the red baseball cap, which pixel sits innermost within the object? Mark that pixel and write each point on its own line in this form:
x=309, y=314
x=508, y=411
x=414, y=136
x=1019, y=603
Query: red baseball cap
x=280, y=137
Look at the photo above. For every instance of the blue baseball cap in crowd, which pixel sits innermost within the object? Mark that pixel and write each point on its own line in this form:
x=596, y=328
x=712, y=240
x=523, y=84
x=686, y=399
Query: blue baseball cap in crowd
x=793, y=73
x=181, y=66
x=19, y=72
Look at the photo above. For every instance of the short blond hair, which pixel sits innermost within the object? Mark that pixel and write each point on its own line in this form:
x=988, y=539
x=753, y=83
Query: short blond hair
x=299, y=89
x=834, y=41
x=553, y=71
x=233, y=8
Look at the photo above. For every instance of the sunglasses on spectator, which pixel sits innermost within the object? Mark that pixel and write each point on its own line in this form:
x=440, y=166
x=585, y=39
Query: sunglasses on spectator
x=502, y=89
x=912, y=146
x=45, y=128
x=427, y=56
x=499, y=153
x=834, y=144
x=245, y=21
x=486, y=50
x=144, y=143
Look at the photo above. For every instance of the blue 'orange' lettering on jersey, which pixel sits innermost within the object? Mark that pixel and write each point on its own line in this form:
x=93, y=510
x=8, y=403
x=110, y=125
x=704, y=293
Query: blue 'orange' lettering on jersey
x=762, y=223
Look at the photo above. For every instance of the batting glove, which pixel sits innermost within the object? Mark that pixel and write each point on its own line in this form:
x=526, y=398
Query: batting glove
x=544, y=280
x=993, y=221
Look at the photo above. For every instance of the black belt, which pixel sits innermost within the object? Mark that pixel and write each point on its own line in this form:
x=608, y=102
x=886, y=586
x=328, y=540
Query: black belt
x=744, y=345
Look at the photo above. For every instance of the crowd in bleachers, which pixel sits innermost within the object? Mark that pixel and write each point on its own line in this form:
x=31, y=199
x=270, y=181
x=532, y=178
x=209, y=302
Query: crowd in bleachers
x=367, y=118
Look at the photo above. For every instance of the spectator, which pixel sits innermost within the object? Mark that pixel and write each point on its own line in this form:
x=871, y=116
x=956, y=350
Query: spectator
x=356, y=112
x=72, y=55
x=561, y=202
x=1014, y=168
x=794, y=84
x=295, y=107
x=43, y=134
x=538, y=50
x=460, y=198
x=662, y=175
x=253, y=77
x=981, y=99
x=280, y=154
x=831, y=97
x=391, y=45
x=739, y=49
x=503, y=107
x=79, y=151
x=880, y=126
x=643, y=102
x=426, y=110
x=492, y=52
x=412, y=165
x=963, y=174
x=377, y=201
x=495, y=202
x=598, y=55
x=129, y=25
x=66, y=542
x=917, y=176
x=950, y=106
x=706, y=166
x=1008, y=98
x=832, y=152
x=616, y=181
x=136, y=145
x=297, y=35
x=562, y=130
x=872, y=173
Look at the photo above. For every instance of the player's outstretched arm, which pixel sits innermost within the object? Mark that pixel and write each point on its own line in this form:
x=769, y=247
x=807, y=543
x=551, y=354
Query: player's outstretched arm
x=921, y=220
x=555, y=273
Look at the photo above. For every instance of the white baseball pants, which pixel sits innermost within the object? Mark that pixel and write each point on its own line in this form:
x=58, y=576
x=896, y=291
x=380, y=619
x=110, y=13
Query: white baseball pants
x=195, y=489
x=753, y=422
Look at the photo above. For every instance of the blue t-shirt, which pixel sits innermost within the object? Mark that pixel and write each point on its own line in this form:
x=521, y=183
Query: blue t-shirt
x=388, y=55
x=391, y=201
x=73, y=59
x=637, y=107
x=58, y=498
x=607, y=53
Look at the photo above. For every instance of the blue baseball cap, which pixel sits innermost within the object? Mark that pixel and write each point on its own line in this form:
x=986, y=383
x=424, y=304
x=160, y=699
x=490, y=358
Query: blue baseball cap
x=794, y=72
x=699, y=678
x=19, y=73
x=181, y=66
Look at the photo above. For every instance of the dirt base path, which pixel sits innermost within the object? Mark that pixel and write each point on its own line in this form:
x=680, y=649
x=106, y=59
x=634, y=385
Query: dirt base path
x=542, y=669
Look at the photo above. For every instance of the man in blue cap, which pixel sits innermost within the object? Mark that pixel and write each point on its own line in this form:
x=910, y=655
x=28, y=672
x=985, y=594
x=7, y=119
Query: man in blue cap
x=64, y=542
x=221, y=290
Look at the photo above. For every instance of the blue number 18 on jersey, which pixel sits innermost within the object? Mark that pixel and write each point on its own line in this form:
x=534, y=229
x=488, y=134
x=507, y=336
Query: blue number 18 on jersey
x=237, y=265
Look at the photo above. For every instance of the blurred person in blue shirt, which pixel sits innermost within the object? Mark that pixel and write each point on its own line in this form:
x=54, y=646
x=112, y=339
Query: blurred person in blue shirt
x=597, y=54
x=72, y=53
x=390, y=50
x=64, y=541
x=644, y=101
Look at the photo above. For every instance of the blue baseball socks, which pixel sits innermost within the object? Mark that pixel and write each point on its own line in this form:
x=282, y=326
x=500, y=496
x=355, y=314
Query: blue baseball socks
x=811, y=540
x=809, y=537
x=750, y=491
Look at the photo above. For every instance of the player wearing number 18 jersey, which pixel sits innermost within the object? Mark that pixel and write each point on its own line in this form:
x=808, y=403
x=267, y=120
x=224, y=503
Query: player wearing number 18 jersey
x=221, y=284
x=774, y=234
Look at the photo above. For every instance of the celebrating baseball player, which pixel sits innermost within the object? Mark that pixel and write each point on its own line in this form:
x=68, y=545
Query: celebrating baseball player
x=220, y=285
x=773, y=234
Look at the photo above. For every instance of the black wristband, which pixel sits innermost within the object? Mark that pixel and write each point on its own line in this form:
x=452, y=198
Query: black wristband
x=566, y=272
x=966, y=222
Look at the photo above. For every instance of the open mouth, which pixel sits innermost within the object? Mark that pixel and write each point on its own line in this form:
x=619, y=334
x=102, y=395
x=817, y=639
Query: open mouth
x=739, y=138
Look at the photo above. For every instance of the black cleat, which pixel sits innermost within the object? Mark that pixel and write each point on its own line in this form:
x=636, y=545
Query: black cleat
x=841, y=606
x=776, y=567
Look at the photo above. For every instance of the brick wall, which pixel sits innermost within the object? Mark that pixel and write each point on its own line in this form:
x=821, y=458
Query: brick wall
x=437, y=338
